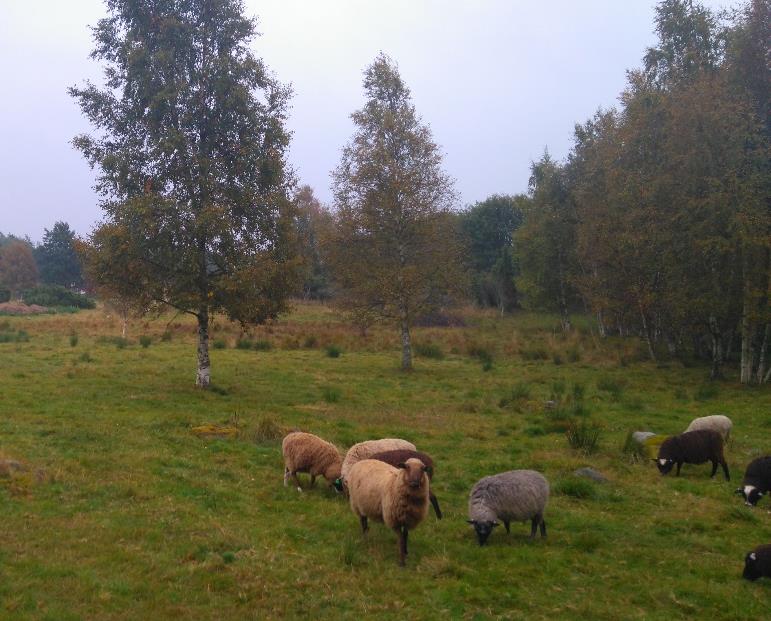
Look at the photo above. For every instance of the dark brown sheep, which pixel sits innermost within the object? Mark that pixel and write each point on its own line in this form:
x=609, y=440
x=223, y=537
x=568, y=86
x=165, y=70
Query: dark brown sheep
x=757, y=563
x=757, y=480
x=692, y=447
x=399, y=456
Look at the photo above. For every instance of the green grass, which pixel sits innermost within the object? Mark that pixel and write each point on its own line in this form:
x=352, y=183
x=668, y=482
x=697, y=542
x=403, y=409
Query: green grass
x=125, y=514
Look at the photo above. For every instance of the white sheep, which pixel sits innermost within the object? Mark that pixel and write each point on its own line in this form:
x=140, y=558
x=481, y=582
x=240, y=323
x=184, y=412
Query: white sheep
x=716, y=422
x=305, y=452
x=396, y=496
x=365, y=450
x=516, y=495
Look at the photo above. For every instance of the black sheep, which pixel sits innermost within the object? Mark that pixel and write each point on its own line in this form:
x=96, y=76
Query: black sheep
x=758, y=563
x=692, y=447
x=757, y=480
x=398, y=456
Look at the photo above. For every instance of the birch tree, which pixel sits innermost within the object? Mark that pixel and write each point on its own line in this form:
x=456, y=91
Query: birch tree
x=394, y=253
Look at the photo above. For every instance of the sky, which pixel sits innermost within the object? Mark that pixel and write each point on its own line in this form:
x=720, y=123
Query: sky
x=498, y=81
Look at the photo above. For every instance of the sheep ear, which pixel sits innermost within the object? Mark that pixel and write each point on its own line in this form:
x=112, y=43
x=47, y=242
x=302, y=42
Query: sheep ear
x=428, y=469
x=401, y=465
x=753, y=557
x=472, y=522
x=739, y=491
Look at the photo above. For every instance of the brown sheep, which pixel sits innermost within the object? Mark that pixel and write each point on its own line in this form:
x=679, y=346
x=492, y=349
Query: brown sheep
x=305, y=452
x=396, y=496
x=400, y=455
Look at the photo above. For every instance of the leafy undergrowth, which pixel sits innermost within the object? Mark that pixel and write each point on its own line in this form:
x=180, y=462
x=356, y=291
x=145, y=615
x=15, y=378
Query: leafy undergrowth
x=139, y=517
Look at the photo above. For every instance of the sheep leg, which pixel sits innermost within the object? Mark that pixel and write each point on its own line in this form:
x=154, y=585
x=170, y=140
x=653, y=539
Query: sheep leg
x=286, y=476
x=296, y=480
x=543, y=527
x=406, y=537
x=364, y=525
x=507, y=524
x=725, y=471
x=402, y=547
x=534, y=526
x=313, y=480
x=435, y=505
x=679, y=465
x=714, y=470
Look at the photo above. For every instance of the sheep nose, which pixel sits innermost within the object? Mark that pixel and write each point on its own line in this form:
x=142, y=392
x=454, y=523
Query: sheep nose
x=414, y=483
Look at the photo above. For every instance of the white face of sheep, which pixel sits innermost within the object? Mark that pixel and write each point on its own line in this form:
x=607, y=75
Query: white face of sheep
x=664, y=465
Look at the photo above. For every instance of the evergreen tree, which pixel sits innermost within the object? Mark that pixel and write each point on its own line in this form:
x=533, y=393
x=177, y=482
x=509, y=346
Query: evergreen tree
x=56, y=257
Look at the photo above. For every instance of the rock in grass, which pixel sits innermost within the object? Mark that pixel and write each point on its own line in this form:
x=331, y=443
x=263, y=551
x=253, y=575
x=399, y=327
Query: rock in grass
x=591, y=473
x=9, y=466
x=641, y=436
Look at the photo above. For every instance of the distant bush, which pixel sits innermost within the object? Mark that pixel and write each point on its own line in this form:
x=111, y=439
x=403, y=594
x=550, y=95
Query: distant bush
x=576, y=487
x=614, y=387
x=145, y=341
x=166, y=336
x=73, y=339
x=483, y=354
x=56, y=295
x=267, y=430
x=331, y=394
x=310, y=342
x=86, y=357
x=244, y=344
x=440, y=320
x=118, y=341
x=333, y=351
x=219, y=344
x=429, y=350
x=263, y=345
x=574, y=354
x=535, y=353
x=706, y=392
x=583, y=436
x=557, y=359
x=520, y=392
x=10, y=337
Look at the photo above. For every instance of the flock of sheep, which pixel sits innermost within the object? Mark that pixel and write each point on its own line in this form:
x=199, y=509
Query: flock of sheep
x=389, y=481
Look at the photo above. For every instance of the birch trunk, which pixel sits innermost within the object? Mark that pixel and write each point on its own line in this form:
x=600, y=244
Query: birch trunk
x=762, y=376
x=406, y=345
x=717, y=349
x=748, y=335
x=647, y=331
x=203, y=377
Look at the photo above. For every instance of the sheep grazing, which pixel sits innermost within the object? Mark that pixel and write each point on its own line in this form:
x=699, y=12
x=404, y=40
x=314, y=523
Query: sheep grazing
x=402, y=455
x=717, y=422
x=305, y=452
x=692, y=447
x=517, y=495
x=757, y=480
x=758, y=563
x=365, y=450
x=396, y=496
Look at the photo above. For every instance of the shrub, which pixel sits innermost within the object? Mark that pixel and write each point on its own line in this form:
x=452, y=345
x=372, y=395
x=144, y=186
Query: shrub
x=244, y=344
x=263, y=345
x=56, y=295
x=706, y=392
x=557, y=359
x=121, y=343
x=310, y=342
x=86, y=357
x=574, y=354
x=333, y=351
x=520, y=392
x=611, y=386
x=145, y=341
x=583, y=436
x=267, y=430
x=219, y=344
x=534, y=353
x=331, y=394
x=166, y=336
x=73, y=339
x=483, y=355
x=576, y=487
x=429, y=350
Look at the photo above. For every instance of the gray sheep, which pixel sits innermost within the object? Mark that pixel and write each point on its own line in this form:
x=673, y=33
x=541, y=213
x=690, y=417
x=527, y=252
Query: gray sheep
x=517, y=495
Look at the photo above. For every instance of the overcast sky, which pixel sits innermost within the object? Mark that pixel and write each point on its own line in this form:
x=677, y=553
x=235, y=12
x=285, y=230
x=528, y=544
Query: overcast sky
x=497, y=80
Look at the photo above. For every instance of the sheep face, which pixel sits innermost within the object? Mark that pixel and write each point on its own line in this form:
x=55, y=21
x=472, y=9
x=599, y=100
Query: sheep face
x=332, y=474
x=483, y=529
x=751, y=570
x=414, y=472
x=664, y=465
x=338, y=484
x=751, y=495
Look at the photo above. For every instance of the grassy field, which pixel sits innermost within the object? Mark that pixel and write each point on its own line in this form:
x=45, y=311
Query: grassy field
x=122, y=512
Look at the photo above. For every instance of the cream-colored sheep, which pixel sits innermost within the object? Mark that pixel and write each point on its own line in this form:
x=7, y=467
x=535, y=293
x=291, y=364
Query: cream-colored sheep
x=716, y=422
x=396, y=496
x=365, y=450
x=305, y=452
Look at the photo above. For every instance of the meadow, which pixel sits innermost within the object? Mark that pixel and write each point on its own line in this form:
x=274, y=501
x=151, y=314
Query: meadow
x=121, y=511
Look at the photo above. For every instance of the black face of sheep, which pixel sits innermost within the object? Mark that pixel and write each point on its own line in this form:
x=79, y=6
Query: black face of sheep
x=751, y=570
x=751, y=494
x=483, y=530
x=664, y=465
x=338, y=485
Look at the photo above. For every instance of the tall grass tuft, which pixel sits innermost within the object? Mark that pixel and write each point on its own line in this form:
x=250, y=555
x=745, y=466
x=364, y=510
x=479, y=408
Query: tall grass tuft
x=429, y=350
x=583, y=436
x=267, y=430
x=333, y=351
x=145, y=341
